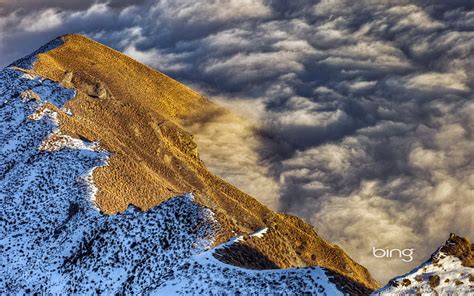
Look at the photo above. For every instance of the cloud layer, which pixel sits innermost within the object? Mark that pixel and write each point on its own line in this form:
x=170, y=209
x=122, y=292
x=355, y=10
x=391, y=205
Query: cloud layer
x=361, y=112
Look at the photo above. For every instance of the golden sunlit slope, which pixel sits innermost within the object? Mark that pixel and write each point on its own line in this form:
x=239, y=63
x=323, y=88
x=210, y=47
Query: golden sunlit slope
x=138, y=114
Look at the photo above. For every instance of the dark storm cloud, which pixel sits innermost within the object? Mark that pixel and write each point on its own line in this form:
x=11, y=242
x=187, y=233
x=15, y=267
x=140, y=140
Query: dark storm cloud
x=360, y=113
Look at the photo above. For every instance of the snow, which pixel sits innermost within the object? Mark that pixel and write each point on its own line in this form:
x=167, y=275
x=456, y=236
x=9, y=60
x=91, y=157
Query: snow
x=57, y=141
x=28, y=76
x=454, y=279
x=67, y=111
x=259, y=233
x=208, y=275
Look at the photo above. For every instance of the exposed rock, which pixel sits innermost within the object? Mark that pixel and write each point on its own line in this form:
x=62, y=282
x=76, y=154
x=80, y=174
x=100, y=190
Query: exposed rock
x=461, y=248
x=434, y=281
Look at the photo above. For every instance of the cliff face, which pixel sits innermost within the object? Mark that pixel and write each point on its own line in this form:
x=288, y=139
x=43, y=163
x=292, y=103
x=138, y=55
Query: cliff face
x=133, y=120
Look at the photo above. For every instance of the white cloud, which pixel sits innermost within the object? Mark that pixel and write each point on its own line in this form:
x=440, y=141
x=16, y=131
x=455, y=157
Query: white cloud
x=361, y=85
x=368, y=54
x=308, y=117
x=156, y=58
x=42, y=21
x=426, y=158
x=245, y=67
x=434, y=81
x=410, y=16
x=212, y=11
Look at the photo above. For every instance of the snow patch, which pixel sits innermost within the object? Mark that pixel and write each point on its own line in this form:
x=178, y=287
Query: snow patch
x=57, y=141
x=442, y=275
x=207, y=275
x=67, y=111
x=259, y=233
x=28, y=76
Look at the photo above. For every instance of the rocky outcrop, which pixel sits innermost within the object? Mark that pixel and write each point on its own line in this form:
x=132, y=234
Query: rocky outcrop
x=459, y=247
x=449, y=271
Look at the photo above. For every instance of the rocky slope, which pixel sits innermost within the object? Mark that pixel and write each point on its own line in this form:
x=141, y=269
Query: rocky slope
x=449, y=271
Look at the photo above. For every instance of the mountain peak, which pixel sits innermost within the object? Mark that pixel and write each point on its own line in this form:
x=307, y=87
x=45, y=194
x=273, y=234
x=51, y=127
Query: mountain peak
x=449, y=271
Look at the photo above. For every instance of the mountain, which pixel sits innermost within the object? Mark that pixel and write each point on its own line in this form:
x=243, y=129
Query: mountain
x=103, y=191
x=449, y=271
x=95, y=159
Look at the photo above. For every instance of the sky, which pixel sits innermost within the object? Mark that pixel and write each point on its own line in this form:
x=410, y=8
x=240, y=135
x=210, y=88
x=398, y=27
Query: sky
x=357, y=116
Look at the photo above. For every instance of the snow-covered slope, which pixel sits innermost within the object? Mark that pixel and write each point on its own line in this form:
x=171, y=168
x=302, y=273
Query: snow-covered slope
x=219, y=278
x=54, y=240
x=450, y=271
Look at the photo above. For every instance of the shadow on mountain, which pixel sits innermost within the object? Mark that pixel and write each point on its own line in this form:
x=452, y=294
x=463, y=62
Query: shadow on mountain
x=244, y=256
x=346, y=285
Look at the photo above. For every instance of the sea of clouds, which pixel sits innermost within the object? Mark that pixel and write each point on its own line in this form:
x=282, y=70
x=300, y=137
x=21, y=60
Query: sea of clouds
x=356, y=115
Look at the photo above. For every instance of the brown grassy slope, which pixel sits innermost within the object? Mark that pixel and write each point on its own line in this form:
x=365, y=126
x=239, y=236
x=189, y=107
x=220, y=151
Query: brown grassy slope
x=136, y=113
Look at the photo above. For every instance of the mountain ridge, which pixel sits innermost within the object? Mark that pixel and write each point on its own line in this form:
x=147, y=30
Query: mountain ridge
x=174, y=167
x=55, y=241
x=448, y=271
x=127, y=123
